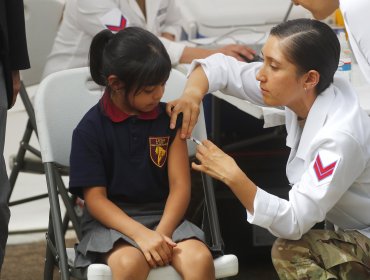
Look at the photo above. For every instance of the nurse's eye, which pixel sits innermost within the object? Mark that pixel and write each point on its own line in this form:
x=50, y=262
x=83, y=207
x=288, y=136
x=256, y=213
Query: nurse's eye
x=274, y=67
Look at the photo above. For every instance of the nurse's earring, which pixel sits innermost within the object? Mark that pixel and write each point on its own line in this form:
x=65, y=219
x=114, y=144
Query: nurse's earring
x=305, y=90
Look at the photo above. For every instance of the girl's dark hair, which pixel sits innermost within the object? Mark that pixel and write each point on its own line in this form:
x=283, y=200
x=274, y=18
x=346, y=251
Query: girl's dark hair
x=310, y=45
x=136, y=56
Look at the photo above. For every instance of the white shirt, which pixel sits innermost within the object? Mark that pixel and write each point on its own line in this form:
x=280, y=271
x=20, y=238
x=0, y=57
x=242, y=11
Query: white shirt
x=355, y=13
x=329, y=163
x=82, y=19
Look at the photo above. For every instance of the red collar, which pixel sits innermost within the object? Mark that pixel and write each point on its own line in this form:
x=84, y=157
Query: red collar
x=116, y=115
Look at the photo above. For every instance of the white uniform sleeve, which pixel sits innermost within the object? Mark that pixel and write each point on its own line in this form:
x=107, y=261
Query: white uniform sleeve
x=90, y=13
x=341, y=162
x=232, y=77
x=174, y=49
x=173, y=20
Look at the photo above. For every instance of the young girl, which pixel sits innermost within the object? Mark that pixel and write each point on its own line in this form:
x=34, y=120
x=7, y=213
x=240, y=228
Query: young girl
x=131, y=169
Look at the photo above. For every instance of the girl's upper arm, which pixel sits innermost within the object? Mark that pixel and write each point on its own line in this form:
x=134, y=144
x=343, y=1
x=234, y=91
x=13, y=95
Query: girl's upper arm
x=92, y=193
x=178, y=162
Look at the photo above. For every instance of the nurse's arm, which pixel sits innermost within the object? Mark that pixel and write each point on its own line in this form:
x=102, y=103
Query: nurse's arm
x=195, y=89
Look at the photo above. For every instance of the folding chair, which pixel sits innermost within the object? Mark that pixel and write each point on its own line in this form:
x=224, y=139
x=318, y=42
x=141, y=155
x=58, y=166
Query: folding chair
x=61, y=101
x=42, y=18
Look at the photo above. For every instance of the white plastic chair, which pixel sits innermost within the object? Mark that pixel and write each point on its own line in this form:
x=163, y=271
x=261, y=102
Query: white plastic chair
x=61, y=101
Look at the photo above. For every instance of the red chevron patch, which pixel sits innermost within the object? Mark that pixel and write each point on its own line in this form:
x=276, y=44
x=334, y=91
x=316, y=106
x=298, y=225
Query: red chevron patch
x=116, y=28
x=321, y=171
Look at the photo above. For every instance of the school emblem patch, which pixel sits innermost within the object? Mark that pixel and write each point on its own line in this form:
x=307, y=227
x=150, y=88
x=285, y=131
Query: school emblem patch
x=158, y=147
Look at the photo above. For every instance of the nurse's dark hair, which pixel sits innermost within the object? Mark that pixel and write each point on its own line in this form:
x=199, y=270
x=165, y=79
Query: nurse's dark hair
x=136, y=56
x=310, y=45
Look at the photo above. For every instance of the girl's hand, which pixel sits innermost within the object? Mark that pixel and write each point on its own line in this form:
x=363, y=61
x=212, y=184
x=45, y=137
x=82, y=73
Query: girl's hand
x=156, y=247
x=189, y=107
x=215, y=163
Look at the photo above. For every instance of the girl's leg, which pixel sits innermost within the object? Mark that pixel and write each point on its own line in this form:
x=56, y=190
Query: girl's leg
x=193, y=260
x=127, y=262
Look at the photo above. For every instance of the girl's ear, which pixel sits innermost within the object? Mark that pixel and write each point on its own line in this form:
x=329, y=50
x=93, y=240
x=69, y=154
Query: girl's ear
x=114, y=83
x=312, y=79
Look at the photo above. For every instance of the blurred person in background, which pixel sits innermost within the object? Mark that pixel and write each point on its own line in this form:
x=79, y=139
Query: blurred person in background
x=82, y=19
x=355, y=13
x=13, y=57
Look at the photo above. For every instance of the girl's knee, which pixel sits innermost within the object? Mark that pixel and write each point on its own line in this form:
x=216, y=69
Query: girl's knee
x=194, y=260
x=202, y=256
x=197, y=251
x=128, y=265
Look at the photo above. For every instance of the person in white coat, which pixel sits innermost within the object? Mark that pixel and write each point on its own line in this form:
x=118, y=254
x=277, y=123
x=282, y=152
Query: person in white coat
x=355, y=13
x=82, y=19
x=329, y=163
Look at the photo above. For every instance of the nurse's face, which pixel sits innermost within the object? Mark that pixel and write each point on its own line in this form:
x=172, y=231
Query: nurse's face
x=279, y=82
x=320, y=9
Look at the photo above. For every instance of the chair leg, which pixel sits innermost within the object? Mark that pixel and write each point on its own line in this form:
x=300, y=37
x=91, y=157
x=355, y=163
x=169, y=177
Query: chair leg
x=28, y=106
x=56, y=220
x=49, y=256
x=18, y=164
x=24, y=144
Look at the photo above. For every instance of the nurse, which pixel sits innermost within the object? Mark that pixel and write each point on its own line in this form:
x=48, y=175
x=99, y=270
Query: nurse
x=82, y=19
x=355, y=14
x=329, y=163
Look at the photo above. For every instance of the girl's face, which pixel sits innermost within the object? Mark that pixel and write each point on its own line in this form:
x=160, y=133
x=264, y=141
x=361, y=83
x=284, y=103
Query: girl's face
x=147, y=98
x=279, y=82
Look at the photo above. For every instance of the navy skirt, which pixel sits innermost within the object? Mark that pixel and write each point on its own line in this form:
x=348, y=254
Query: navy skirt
x=98, y=240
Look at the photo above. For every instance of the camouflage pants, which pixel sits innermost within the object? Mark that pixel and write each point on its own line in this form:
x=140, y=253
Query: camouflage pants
x=323, y=254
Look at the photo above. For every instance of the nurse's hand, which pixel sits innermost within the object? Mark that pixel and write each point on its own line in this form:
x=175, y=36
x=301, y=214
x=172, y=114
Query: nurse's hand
x=189, y=107
x=215, y=163
x=240, y=52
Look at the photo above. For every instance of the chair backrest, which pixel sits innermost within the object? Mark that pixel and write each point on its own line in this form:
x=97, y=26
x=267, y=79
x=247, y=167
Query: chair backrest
x=42, y=18
x=61, y=100
x=64, y=97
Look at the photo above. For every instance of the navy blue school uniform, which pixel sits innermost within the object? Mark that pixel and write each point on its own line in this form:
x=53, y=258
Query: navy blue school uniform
x=127, y=155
